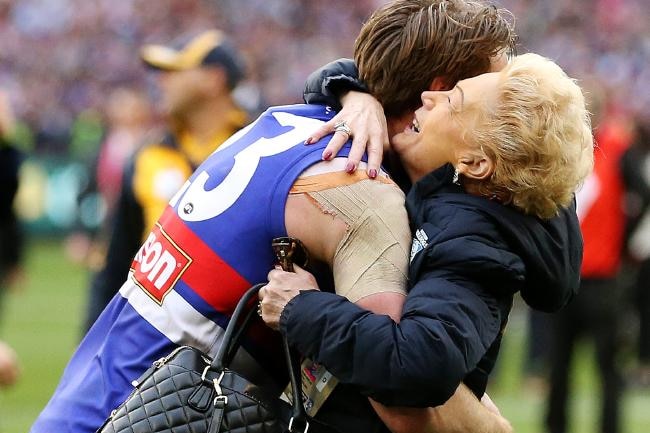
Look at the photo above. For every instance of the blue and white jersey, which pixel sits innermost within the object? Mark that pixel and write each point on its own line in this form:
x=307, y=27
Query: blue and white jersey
x=210, y=245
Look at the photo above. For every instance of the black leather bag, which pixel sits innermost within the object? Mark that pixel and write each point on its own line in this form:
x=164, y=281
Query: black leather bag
x=187, y=392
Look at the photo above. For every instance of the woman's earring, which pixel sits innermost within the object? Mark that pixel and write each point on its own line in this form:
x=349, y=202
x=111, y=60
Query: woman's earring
x=456, y=179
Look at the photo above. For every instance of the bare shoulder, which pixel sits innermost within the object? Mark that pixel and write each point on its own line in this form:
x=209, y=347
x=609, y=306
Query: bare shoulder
x=319, y=232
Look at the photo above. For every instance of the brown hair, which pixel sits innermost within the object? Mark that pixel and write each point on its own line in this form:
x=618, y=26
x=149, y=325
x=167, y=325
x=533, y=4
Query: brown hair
x=407, y=43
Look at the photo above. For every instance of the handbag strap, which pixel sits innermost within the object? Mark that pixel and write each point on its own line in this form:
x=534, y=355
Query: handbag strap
x=230, y=344
x=230, y=341
x=299, y=418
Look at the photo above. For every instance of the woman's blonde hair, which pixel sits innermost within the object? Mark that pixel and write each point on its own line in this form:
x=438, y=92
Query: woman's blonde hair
x=538, y=134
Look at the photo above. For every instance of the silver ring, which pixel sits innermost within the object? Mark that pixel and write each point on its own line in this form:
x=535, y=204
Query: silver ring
x=259, y=308
x=342, y=127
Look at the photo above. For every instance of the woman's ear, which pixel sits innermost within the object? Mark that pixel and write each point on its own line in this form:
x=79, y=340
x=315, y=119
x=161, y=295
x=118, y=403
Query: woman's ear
x=475, y=165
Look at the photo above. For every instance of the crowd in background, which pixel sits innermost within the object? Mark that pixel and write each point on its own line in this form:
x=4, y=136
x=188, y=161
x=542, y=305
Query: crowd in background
x=60, y=59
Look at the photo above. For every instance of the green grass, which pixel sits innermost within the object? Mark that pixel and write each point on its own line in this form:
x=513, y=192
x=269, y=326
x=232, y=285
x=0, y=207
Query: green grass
x=43, y=324
x=525, y=407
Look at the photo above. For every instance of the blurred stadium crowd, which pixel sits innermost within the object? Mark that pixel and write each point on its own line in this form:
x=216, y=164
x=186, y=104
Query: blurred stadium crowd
x=60, y=59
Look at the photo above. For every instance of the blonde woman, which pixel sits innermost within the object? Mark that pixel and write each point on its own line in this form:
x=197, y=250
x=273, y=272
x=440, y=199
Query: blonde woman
x=495, y=161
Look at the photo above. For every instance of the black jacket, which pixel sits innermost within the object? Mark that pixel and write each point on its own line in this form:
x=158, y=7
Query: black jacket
x=324, y=85
x=476, y=254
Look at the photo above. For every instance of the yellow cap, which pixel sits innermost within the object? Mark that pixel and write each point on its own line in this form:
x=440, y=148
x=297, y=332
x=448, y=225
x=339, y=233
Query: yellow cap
x=207, y=48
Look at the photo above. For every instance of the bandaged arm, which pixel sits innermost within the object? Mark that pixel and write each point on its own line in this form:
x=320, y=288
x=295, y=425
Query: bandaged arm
x=371, y=256
x=360, y=228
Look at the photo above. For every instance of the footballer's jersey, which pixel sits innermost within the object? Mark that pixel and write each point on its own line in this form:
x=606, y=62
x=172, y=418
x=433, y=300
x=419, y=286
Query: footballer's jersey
x=210, y=245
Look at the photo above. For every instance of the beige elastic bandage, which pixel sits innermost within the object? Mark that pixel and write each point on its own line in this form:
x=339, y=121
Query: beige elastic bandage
x=372, y=257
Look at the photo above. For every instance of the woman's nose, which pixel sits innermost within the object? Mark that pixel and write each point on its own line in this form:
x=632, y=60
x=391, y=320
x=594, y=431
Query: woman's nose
x=431, y=97
x=427, y=98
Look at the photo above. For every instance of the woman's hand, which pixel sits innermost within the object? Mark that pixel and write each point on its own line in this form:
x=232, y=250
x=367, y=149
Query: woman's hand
x=282, y=288
x=365, y=118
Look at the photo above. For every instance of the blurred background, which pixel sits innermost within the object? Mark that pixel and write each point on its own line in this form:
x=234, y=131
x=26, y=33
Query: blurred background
x=70, y=72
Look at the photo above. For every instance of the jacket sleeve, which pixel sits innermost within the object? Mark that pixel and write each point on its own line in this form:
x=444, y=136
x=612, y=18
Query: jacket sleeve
x=444, y=331
x=325, y=85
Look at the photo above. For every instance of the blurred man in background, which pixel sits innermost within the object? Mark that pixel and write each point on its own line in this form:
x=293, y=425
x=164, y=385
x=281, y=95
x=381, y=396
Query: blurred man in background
x=11, y=240
x=596, y=308
x=196, y=84
x=636, y=175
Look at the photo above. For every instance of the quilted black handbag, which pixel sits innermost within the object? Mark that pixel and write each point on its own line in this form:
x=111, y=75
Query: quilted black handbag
x=187, y=392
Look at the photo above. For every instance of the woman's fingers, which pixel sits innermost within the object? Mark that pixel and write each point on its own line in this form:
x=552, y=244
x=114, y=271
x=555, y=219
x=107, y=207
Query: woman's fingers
x=362, y=119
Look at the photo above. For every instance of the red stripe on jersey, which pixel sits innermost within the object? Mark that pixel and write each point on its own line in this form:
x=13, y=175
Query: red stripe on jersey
x=208, y=275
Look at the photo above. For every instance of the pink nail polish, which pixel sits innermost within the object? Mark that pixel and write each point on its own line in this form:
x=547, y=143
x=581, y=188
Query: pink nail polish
x=327, y=155
x=308, y=141
x=350, y=167
x=372, y=173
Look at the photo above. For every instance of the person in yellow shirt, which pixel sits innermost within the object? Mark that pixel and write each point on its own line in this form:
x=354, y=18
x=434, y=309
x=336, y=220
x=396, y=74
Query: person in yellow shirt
x=196, y=82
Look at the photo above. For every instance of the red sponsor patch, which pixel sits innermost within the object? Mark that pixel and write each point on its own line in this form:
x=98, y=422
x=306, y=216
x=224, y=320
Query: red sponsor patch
x=159, y=264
